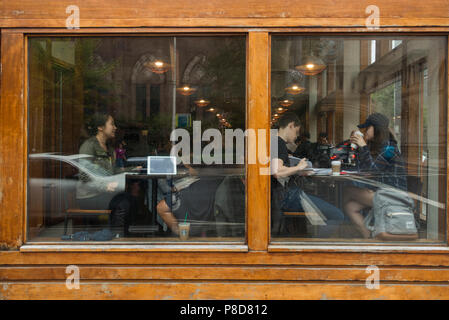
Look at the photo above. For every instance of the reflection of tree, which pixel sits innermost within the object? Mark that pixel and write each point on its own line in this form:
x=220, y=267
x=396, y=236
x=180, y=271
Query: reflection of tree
x=383, y=101
x=95, y=75
x=227, y=67
x=73, y=84
x=159, y=129
x=89, y=70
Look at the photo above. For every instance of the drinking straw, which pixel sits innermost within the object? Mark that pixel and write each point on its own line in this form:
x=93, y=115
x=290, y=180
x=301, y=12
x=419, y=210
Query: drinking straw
x=185, y=218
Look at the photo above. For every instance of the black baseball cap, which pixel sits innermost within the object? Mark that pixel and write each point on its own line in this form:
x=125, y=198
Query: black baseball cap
x=376, y=120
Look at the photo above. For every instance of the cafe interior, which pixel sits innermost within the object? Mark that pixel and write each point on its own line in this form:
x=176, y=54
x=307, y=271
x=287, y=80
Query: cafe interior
x=153, y=85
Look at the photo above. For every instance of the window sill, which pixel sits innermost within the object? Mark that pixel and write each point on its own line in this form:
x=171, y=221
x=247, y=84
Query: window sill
x=362, y=248
x=103, y=247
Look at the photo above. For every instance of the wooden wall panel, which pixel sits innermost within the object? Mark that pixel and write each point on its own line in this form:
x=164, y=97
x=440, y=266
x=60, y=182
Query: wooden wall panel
x=223, y=273
x=361, y=257
x=259, y=274
x=219, y=290
x=12, y=143
x=190, y=13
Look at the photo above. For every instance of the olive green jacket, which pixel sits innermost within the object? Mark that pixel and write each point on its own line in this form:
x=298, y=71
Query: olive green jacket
x=102, y=164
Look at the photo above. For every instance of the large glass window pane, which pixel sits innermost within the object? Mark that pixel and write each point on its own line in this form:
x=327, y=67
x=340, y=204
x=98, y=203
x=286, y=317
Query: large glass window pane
x=127, y=138
x=386, y=182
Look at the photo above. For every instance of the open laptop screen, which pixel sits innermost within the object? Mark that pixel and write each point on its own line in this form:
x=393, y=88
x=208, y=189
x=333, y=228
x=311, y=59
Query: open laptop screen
x=164, y=165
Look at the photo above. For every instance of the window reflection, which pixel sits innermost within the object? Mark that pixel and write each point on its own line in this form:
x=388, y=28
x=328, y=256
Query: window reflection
x=389, y=182
x=100, y=107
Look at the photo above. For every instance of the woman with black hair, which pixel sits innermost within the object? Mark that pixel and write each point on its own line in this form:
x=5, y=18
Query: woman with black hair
x=90, y=194
x=377, y=154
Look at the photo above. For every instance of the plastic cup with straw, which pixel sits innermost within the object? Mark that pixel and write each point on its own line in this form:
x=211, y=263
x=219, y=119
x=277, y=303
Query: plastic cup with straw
x=184, y=228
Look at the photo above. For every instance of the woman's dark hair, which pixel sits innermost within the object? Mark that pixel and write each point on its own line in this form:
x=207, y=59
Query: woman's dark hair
x=381, y=136
x=98, y=119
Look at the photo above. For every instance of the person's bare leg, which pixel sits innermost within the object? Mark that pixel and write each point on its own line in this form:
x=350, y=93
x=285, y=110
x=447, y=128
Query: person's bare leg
x=165, y=213
x=353, y=194
x=357, y=199
x=352, y=210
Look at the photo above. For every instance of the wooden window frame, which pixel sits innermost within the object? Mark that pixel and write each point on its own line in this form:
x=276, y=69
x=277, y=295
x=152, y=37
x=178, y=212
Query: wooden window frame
x=258, y=250
x=443, y=222
x=16, y=236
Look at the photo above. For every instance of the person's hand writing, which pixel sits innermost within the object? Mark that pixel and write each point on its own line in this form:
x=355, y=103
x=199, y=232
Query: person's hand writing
x=358, y=140
x=111, y=186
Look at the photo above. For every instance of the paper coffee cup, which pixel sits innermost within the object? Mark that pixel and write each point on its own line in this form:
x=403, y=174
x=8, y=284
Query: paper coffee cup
x=336, y=166
x=184, y=229
x=358, y=133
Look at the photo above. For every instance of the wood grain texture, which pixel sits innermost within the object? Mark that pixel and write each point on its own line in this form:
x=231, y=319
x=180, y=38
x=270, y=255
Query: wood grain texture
x=75, y=211
x=224, y=273
x=258, y=117
x=190, y=13
x=359, y=257
x=196, y=31
x=219, y=290
x=265, y=272
x=12, y=143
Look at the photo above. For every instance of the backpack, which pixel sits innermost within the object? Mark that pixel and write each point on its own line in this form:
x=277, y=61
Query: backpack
x=393, y=216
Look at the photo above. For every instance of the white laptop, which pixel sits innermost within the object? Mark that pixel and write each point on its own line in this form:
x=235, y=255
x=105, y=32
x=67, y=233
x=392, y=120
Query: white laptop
x=163, y=165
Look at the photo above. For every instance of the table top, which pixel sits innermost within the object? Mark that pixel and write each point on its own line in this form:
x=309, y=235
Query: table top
x=201, y=172
x=321, y=172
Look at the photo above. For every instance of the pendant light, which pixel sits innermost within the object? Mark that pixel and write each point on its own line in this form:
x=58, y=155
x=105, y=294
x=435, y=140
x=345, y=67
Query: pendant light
x=280, y=110
x=157, y=66
x=202, y=102
x=295, y=89
x=286, y=102
x=186, y=90
x=311, y=65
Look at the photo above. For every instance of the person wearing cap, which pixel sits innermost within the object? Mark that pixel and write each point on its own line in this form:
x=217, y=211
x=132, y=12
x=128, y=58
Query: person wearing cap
x=377, y=154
